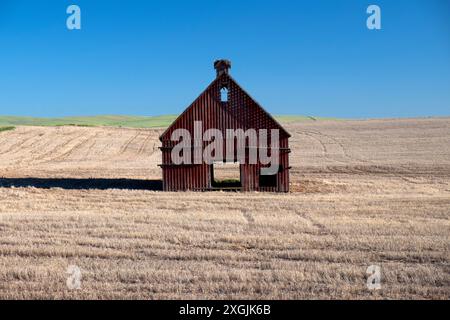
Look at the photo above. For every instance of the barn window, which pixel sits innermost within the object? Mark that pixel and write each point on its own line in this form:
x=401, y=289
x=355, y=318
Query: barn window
x=224, y=94
x=268, y=181
x=226, y=174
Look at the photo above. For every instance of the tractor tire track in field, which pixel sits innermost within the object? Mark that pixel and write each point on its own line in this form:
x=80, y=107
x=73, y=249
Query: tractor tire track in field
x=15, y=148
x=74, y=148
x=320, y=138
x=41, y=158
x=325, y=150
x=248, y=217
x=52, y=154
x=38, y=143
x=39, y=149
x=91, y=147
x=347, y=157
x=321, y=228
x=127, y=144
x=323, y=146
x=361, y=169
x=145, y=143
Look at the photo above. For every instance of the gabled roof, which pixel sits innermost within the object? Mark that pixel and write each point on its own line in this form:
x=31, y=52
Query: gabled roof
x=259, y=108
x=241, y=106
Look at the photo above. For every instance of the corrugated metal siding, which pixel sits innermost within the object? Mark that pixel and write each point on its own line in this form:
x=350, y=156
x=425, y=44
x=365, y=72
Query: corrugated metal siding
x=240, y=112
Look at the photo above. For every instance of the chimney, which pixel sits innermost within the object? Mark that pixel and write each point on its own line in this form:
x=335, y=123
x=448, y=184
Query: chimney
x=222, y=67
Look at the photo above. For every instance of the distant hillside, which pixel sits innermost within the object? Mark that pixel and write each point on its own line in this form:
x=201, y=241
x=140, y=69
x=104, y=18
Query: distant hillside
x=91, y=121
x=116, y=121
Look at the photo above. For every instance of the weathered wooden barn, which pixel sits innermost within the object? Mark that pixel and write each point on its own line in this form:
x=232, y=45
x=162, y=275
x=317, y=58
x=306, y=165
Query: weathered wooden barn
x=225, y=105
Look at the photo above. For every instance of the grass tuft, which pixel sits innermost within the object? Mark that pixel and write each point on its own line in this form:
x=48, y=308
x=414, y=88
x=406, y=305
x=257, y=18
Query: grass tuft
x=7, y=128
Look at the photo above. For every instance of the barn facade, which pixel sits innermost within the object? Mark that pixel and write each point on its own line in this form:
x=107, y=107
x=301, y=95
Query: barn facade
x=225, y=105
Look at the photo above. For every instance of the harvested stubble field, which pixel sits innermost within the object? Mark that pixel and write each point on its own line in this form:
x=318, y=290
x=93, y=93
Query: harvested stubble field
x=373, y=192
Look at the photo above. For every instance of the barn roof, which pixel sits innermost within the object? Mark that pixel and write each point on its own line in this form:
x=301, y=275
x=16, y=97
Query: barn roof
x=246, y=110
x=259, y=108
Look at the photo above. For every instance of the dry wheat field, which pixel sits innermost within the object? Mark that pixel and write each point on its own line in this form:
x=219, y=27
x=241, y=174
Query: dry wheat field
x=372, y=192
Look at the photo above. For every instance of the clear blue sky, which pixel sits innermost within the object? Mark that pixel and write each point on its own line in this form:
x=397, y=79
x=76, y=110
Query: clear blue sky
x=295, y=57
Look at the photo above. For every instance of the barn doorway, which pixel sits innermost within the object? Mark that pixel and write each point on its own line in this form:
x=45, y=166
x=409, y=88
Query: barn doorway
x=226, y=175
x=268, y=181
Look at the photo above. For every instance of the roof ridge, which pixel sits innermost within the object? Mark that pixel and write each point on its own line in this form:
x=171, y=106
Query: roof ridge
x=229, y=112
x=205, y=92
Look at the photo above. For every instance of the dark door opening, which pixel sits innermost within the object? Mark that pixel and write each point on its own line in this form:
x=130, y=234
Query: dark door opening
x=226, y=175
x=268, y=181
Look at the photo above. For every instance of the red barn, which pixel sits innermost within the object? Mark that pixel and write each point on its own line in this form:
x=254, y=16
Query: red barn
x=226, y=107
